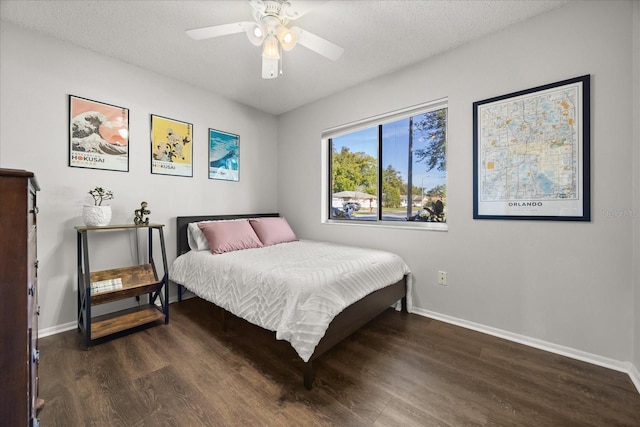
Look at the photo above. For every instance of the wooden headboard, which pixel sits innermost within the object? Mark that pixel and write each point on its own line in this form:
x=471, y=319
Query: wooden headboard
x=183, y=221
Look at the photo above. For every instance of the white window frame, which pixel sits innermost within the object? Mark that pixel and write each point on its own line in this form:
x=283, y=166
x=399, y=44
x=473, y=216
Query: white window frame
x=377, y=120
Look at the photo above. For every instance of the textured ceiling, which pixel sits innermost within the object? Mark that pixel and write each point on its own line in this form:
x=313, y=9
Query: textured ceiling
x=379, y=37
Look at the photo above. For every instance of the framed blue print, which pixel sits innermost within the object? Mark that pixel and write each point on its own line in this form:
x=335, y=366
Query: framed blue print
x=224, y=155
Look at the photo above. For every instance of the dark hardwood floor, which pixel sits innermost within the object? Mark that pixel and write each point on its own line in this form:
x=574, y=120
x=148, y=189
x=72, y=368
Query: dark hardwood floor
x=400, y=369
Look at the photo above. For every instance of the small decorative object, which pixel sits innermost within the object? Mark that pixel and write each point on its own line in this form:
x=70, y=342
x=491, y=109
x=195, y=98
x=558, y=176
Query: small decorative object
x=140, y=213
x=98, y=214
x=99, y=195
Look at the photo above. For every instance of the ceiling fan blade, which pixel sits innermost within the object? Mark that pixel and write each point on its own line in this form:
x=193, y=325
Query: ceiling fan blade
x=216, y=30
x=318, y=44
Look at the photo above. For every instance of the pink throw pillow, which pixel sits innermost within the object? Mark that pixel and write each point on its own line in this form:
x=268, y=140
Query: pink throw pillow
x=274, y=230
x=228, y=236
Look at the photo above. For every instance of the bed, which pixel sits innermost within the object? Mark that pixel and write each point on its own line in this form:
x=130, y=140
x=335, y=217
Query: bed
x=311, y=294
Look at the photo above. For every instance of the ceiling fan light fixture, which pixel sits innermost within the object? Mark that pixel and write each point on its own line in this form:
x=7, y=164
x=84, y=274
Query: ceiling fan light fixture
x=256, y=32
x=287, y=38
x=271, y=49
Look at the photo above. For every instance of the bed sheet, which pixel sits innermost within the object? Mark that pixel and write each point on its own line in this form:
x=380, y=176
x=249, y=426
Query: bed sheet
x=294, y=289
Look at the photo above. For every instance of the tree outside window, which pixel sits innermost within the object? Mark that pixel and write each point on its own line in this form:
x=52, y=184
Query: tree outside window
x=405, y=158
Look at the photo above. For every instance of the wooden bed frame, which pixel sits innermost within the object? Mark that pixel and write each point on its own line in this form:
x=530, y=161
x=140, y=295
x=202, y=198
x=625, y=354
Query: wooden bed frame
x=344, y=324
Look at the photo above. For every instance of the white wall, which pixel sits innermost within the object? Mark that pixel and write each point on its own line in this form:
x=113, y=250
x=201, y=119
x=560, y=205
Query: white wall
x=569, y=284
x=37, y=75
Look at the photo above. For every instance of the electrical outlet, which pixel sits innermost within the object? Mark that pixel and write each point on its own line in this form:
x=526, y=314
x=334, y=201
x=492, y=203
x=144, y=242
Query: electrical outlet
x=442, y=278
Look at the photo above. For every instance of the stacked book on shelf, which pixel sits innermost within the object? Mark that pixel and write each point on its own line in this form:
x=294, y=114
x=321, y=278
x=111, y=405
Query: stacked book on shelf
x=106, y=285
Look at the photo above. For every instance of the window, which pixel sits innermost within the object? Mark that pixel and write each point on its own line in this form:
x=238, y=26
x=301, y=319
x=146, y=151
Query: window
x=390, y=168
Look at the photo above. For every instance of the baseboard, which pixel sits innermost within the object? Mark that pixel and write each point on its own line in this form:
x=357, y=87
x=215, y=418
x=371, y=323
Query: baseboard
x=573, y=353
x=57, y=329
x=635, y=377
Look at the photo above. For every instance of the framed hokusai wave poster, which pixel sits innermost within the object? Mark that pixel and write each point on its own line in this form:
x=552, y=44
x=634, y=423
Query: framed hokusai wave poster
x=171, y=147
x=98, y=135
x=224, y=155
x=531, y=154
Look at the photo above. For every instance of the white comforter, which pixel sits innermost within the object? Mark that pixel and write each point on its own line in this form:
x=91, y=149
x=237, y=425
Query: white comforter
x=294, y=289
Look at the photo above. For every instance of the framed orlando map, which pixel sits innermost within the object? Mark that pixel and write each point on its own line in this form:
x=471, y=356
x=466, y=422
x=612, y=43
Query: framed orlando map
x=531, y=154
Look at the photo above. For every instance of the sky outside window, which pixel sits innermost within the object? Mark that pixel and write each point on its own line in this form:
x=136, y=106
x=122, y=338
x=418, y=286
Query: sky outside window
x=396, y=137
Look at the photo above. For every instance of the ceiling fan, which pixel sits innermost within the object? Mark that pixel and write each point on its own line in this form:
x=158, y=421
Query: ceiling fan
x=270, y=31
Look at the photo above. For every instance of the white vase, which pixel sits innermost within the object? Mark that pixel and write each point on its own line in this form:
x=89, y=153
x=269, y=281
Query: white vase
x=96, y=215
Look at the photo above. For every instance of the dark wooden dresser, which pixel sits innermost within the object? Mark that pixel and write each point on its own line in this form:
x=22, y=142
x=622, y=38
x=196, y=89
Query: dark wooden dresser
x=18, y=299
